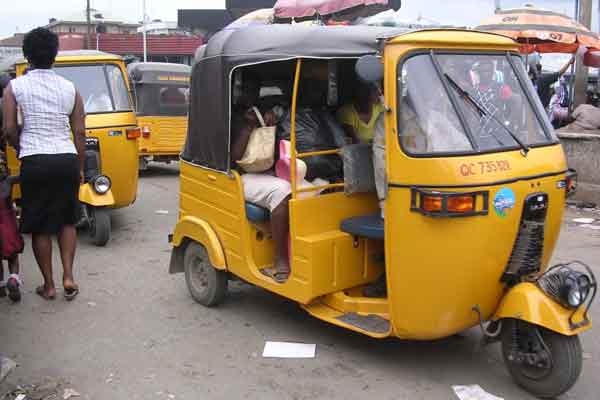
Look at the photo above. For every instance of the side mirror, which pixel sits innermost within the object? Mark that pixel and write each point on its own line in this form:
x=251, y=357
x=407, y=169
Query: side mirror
x=369, y=69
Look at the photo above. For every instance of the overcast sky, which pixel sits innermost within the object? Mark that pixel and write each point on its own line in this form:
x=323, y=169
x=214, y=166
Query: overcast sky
x=22, y=15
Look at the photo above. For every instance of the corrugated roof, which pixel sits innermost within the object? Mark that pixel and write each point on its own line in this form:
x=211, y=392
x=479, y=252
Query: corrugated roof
x=14, y=41
x=157, y=44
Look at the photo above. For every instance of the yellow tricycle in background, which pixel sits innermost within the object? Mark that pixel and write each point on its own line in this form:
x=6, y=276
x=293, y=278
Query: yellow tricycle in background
x=111, y=159
x=474, y=189
x=161, y=93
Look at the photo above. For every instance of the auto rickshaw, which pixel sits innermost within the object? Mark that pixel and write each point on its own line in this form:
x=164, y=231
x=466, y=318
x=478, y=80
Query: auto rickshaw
x=476, y=183
x=161, y=93
x=111, y=162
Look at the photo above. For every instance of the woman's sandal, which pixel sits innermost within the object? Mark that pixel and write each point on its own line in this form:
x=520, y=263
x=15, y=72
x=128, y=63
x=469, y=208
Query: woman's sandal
x=281, y=276
x=41, y=291
x=277, y=276
x=71, y=293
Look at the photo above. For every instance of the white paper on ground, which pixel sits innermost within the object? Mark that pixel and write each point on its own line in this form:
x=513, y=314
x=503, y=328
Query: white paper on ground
x=583, y=220
x=594, y=227
x=289, y=350
x=473, y=392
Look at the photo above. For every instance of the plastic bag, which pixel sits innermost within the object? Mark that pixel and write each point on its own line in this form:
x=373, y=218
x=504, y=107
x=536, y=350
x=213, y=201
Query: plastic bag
x=316, y=131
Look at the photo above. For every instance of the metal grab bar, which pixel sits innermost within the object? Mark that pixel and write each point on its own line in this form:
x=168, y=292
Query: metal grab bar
x=320, y=187
x=318, y=153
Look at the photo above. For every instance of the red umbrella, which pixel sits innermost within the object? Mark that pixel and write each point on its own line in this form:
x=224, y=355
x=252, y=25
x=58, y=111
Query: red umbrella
x=308, y=8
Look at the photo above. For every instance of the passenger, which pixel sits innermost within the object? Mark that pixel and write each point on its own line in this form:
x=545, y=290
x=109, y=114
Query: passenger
x=263, y=189
x=358, y=118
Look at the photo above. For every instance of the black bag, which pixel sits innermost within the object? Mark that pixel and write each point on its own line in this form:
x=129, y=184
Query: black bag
x=316, y=130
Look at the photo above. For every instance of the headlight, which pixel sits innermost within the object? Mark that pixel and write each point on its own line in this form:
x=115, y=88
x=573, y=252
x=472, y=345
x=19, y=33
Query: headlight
x=102, y=184
x=576, y=288
x=571, y=288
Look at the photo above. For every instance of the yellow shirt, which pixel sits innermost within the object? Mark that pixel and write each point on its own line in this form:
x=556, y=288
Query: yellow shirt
x=347, y=115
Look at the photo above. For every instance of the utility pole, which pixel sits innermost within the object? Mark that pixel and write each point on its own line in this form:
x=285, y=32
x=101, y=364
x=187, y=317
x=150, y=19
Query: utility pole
x=584, y=16
x=497, y=6
x=144, y=30
x=88, y=37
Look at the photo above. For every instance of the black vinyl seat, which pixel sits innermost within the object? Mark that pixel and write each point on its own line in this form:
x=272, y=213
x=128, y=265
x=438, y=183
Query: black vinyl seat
x=368, y=226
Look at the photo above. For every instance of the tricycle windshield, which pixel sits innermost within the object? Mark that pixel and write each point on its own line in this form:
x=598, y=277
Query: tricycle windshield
x=102, y=87
x=158, y=99
x=468, y=103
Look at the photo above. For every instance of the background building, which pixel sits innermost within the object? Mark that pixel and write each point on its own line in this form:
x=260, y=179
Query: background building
x=208, y=22
x=77, y=23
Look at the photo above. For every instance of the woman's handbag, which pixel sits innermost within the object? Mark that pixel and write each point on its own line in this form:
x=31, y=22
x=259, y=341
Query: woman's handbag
x=260, y=151
x=11, y=241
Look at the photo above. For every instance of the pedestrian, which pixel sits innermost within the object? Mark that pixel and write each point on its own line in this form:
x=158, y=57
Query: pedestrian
x=11, y=242
x=51, y=159
x=543, y=81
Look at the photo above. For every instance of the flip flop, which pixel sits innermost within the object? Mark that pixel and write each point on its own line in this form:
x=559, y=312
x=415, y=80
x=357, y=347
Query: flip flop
x=71, y=293
x=281, y=276
x=41, y=291
x=269, y=272
x=277, y=276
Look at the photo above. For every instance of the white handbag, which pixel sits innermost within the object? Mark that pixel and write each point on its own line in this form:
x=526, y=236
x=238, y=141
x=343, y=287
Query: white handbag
x=260, y=150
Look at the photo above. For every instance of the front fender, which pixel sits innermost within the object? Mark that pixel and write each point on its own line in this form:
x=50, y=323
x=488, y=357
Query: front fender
x=199, y=231
x=88, y=195
x=527, y=302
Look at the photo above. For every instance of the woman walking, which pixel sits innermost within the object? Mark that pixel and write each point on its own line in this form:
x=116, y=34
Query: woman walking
x=51, y=161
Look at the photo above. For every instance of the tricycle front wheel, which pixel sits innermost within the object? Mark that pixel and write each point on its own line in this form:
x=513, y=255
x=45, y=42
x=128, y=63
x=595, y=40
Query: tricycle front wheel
x=99, y=225
x=544, y=363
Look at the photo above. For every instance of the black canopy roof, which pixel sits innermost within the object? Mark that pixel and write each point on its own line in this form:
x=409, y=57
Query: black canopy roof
x=208, y=137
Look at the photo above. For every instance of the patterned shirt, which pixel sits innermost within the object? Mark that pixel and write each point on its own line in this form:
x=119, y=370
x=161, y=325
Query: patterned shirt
x=46, y=101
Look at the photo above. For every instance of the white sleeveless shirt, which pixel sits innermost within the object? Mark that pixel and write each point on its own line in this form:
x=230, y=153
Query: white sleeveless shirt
x=46, y=101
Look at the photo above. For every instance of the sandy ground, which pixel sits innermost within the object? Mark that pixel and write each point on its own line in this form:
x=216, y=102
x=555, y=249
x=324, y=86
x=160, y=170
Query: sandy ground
x=135, y=333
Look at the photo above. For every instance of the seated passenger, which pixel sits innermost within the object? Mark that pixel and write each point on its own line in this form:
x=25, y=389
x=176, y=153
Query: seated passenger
x=358, y=118
x=263, y=189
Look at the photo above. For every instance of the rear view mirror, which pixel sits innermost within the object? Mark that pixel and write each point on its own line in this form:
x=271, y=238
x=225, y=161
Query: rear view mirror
x=369, y=69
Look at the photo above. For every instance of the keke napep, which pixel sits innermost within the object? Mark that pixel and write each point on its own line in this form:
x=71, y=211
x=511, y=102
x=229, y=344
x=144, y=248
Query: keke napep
x=161, y=92
x=111, y=149
x=475, y=186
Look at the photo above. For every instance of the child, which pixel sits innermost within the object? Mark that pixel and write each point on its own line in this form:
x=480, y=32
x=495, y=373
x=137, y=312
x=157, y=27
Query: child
x=11, y=242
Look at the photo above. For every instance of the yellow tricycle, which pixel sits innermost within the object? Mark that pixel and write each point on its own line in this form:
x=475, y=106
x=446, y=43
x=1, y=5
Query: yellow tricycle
x=111, y=159
x=461, y=228
x=161, y=93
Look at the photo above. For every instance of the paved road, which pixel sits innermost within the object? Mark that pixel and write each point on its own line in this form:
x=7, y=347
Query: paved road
x=134, y=332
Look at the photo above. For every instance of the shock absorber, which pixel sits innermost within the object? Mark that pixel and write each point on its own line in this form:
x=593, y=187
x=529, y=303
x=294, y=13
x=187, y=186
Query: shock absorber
x=514, y=348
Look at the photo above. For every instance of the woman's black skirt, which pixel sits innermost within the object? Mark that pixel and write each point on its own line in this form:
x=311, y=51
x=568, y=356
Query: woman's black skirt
x=49, y=192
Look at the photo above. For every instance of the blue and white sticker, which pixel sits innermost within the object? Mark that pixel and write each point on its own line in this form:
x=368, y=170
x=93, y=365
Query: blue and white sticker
x=504, y=201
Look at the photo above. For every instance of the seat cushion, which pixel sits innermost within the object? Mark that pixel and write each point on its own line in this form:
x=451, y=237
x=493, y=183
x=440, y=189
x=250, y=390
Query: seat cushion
x=256, y=213
x=368, y=226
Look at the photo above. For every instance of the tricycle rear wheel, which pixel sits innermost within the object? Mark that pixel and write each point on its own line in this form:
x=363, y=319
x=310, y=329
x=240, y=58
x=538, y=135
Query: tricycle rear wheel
x=544, y=363
x=207, y=285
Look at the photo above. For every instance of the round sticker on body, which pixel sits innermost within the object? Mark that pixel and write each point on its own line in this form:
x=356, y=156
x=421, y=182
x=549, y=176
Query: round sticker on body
x=504, y=201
